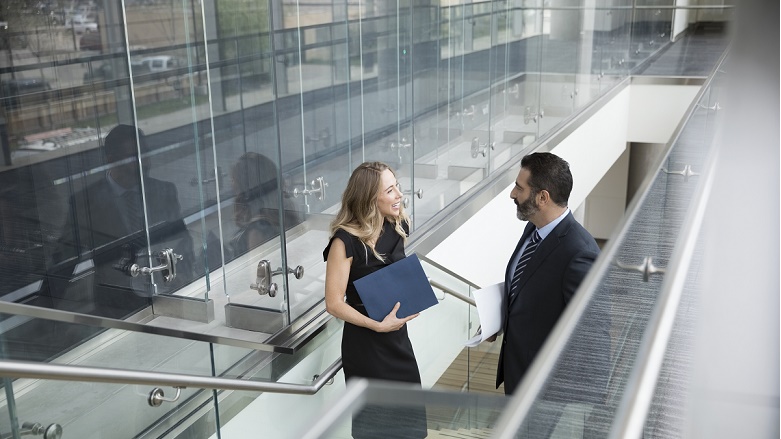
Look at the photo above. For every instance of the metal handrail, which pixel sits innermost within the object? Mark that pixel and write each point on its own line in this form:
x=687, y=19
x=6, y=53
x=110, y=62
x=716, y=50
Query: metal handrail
x=542, y=367
x=63, y=372
x=455, y=294
x=448, y=271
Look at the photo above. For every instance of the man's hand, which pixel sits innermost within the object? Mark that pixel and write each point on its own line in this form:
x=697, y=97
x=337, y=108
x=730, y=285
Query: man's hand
x=490, y=339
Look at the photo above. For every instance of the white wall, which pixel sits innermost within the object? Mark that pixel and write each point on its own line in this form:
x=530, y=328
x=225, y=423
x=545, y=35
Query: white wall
x=606, y=204
x=479, y=249
x=680, y=19
x=655, y=110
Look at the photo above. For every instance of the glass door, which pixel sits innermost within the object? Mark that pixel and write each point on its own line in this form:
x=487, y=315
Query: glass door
x=162, y=156
x=247, y=79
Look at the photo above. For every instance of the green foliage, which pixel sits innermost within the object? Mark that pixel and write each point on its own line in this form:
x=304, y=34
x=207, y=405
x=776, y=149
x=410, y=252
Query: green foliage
x=243, y=27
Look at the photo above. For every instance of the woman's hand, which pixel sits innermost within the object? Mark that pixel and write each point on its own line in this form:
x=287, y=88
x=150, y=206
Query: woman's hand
x=391, y=322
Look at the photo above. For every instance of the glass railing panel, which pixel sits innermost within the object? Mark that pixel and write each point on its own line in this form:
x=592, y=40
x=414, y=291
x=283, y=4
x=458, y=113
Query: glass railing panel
x=560, y=62
x=586, y=87
x=64, y=88
x=146, y=352
x=455, y=143
x=443, y=359
x=281, y=415
x=88, y=402
x=612, y=26
x=499, y=58
x=697, y=43
x=668, y=412
x=651, y=27
x=397, y=410
x=581, y=394
x=110, y=410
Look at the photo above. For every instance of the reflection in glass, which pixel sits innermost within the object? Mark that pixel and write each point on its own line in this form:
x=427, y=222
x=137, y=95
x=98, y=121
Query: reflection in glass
x=245, y=104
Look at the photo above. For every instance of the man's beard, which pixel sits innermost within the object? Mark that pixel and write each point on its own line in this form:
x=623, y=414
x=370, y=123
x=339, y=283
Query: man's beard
x=528, y=208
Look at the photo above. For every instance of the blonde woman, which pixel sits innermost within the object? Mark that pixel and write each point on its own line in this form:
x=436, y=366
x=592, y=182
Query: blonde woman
x=368, y=234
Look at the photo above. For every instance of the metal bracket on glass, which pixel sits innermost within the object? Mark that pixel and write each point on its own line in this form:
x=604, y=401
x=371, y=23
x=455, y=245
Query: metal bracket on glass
x=327, y=383
x=469, y=112
x=316, y=187
x=647, y=268
x=167, y=259
x=514, y=90
x=480, y=148
x=53, y=431
x=298, y=272
x=263, y=284
x=574, y=93
x=715, y=107
x=686, y=172
x=157, y=396
x=418, y=193
x=529, y=115
x=403, y=144
x=323, y=136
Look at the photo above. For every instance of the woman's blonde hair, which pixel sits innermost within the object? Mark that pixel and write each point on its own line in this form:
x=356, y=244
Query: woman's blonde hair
x=359, y=214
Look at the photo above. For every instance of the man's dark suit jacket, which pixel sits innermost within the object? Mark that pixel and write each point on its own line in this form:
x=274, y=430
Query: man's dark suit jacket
x=95, y=229
x=547, y=285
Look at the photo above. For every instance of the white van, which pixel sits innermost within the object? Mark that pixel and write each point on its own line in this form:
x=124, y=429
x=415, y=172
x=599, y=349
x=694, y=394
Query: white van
x=160, y=63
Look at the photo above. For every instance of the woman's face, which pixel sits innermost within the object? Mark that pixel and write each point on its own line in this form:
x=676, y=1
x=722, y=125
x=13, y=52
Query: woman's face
x=389, y=199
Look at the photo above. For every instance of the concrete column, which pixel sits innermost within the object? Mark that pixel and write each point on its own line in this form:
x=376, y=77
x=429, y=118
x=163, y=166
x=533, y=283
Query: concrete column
x=564, y=23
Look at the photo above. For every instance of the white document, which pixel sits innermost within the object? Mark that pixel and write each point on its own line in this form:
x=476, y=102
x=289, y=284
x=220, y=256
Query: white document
x=490, y=308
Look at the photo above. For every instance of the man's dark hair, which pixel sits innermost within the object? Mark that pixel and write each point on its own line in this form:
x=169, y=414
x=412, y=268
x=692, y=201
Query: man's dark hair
x=551, y=173
x=114, y=144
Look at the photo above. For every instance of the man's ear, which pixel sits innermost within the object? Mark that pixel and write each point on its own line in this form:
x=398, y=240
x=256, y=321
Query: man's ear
x=544, y=197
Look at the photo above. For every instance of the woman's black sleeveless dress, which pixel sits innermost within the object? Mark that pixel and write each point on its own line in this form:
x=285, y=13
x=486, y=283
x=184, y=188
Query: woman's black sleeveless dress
x=374, y=355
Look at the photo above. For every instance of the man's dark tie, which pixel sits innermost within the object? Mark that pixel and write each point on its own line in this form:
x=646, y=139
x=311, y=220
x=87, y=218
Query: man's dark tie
x=525, y=257
x=132, y=210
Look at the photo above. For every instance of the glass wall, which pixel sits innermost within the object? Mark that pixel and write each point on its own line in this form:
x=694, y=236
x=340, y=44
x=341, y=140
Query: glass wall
x=160, y=155
x=177, y=162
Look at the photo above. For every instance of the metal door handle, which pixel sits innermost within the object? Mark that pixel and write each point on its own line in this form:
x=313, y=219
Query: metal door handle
x=317, y=187
x=405, y=201
x=53, y=431
x=167, y=259
x=480, y=148
x=263, y=284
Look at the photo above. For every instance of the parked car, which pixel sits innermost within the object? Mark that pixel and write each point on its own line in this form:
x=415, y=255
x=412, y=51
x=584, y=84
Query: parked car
x=160, y=63
x=105, y=72
x=81, y=24
x=91, y=41
x=14, y=93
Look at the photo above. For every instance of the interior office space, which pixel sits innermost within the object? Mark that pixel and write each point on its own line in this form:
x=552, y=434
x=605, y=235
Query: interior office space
x=262, y=109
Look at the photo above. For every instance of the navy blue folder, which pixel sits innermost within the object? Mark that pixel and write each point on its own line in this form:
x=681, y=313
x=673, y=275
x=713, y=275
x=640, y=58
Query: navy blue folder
x=403, y=281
